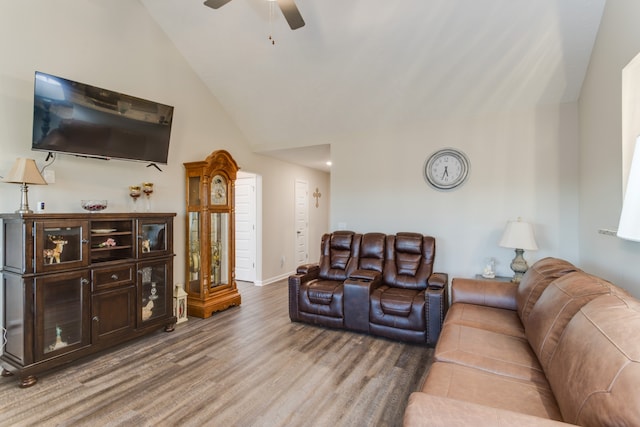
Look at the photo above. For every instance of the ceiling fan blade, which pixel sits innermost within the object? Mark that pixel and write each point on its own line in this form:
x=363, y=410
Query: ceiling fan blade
x=291, y=13
x=216, y=3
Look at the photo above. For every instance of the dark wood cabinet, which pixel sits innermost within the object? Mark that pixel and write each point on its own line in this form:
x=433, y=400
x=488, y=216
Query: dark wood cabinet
x=75, y=284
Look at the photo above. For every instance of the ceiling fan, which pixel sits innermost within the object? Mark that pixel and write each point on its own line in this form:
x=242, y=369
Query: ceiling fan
x=288, y=8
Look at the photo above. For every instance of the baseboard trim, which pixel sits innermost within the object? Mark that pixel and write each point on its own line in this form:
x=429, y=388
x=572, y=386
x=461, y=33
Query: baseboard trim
x=273, y=279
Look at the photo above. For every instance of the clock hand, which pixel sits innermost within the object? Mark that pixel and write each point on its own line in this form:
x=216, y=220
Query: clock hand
x=446, y=173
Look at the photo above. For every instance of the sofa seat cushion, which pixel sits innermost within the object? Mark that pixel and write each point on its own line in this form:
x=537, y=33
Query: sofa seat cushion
x=490, y=389
x=492, y=319
x=322, y=297
x=398, y=307
x=488, y=351
x=427, y=410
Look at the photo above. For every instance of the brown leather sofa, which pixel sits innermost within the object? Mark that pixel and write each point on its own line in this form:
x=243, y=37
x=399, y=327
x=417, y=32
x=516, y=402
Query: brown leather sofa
x=562, y=347
x=373, y=283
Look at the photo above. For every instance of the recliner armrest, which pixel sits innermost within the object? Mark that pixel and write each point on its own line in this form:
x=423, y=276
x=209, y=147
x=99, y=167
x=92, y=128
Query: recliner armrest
x=438, y=280
x=304, y=274
x=308, y=269
x=367, y=275
x=357, y=293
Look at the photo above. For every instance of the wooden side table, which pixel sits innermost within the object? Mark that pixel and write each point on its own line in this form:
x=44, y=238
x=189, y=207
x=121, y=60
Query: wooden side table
x=495, y=279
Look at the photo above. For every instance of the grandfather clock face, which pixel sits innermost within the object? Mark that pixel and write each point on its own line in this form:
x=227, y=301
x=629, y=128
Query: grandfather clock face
x=218, y=190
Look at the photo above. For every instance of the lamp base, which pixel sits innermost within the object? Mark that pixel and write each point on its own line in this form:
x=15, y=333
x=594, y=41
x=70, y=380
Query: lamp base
x=24, y=200
x=519, y=266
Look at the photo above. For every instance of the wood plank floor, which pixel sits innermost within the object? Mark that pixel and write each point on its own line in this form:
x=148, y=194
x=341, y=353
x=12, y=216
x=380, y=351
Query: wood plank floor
x=246, y=366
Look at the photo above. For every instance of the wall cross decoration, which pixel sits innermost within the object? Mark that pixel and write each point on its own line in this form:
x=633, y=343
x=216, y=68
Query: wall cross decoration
x=317, y=195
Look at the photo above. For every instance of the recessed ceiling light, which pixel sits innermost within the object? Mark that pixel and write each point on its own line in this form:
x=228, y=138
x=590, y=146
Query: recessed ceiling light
x=329, y=163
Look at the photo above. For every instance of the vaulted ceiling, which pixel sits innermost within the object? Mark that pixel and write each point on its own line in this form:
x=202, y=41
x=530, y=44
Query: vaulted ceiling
x=360, y=64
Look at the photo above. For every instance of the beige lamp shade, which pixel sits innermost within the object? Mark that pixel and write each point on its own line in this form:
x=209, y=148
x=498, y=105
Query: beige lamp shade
x=629, y=226
x=25, y=171
x=519, y=235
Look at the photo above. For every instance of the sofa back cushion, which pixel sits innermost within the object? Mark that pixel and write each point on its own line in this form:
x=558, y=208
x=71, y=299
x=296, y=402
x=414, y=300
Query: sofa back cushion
x=409, y=260
x=559, y=302
x=339, y=255
x=595, y=370
x=535, y=281
x=372, y=252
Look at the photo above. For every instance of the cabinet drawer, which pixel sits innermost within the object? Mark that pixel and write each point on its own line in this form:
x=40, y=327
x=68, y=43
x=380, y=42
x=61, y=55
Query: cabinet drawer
x=105, y=278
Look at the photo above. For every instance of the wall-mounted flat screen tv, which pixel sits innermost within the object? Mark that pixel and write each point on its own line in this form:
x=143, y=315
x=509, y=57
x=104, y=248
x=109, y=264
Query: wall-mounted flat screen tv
x=76, y=118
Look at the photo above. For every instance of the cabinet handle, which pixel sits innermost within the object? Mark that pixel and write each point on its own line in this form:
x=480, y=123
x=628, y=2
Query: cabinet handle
x=84, y=281
x=114, y=277
x=84, y=241
x=96, y=319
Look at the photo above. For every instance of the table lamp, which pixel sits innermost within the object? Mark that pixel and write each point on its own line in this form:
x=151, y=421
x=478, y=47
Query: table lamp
x=24, y=171
x=518, y=235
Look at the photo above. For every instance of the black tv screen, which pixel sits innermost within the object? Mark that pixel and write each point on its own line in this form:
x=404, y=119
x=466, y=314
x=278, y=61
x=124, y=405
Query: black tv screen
x=76, y=118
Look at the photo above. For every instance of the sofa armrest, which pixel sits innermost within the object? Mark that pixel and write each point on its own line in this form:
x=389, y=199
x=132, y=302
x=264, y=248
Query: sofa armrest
x=490, y=293
x=428, y=410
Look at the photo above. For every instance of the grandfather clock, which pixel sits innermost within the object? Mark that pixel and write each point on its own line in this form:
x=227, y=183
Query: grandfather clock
x=210, y=265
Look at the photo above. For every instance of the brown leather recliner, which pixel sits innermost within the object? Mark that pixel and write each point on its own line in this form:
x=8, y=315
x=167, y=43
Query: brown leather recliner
x=316, y=292
x=411, y=302
x=373, y=283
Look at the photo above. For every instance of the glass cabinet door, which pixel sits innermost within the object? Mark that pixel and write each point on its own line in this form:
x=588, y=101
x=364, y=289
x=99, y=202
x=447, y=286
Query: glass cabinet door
x=62, y=313
x=195, y=266
x=61, y=245
x=152, y=237
x=219, y=247
x=152, y=291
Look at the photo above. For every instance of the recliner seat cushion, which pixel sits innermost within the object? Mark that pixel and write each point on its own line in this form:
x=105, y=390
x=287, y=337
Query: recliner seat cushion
x=323, y=297
x=398, y=308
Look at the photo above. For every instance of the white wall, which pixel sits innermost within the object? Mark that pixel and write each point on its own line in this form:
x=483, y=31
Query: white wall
x=523, y=164
x=116, y=45
x=601, y=161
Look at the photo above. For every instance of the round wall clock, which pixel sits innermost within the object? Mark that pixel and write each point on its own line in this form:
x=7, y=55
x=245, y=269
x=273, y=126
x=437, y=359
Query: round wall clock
x=446, y=169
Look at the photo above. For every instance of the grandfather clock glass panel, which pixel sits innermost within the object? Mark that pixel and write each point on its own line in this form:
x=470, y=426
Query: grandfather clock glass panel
x=211, y=227
x=194, y=261
x=219, y=249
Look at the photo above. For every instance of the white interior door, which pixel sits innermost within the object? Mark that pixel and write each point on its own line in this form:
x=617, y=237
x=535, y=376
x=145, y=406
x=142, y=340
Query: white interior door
x=302, y=222
x=246, y=213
